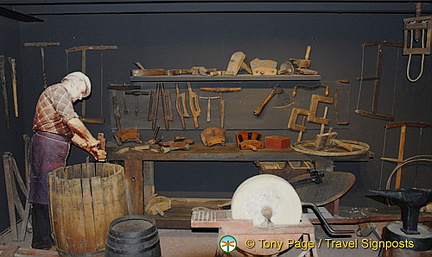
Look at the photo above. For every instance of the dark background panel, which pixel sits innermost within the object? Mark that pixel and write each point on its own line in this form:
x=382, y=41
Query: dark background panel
x=160, y=39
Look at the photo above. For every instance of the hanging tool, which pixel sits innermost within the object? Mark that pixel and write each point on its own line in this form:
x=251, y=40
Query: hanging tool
x=136, y=105
x=208, y=98
x=166, y=106
x=4, y=90
x=412, y=28
x=14, y=86
x=125, y=110
x=310, y=88
x=137, y=94
x=276, y=90
x=116, y=110
x=181, y=105
x=84, y=50
x=336, y=104
x=42, y=46
x=221, y=90
x=377, y=79
x=123, y=135
x=194, y=105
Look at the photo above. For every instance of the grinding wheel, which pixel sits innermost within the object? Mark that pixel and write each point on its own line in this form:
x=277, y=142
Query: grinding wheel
x=266, y=200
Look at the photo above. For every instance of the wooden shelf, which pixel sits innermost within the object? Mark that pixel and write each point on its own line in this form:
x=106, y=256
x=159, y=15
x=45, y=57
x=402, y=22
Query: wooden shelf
x=191, y=78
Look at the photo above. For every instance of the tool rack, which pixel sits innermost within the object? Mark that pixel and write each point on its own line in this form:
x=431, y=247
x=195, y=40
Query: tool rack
x=140, y=168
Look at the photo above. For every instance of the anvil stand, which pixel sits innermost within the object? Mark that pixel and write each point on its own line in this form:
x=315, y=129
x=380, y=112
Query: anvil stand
x=412, y=200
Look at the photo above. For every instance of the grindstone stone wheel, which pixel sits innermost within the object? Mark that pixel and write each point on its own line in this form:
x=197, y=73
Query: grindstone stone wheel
x=267, y=200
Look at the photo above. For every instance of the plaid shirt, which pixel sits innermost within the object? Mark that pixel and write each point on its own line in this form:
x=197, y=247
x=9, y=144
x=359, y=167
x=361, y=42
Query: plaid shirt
x=53, y=110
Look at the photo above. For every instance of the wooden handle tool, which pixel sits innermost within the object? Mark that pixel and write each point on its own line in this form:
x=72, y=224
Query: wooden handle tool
x=273, y=92
x=194, y=105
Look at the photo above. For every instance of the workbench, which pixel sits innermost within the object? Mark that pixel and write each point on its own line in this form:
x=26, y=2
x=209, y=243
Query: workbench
x=139, y=165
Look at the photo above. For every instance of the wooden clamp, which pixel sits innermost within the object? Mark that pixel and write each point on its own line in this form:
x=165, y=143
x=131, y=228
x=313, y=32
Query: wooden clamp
x=315, y=99
x=292, y=123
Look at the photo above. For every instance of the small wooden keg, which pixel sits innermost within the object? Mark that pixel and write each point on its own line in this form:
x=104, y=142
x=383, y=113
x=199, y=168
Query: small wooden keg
x=84, y=199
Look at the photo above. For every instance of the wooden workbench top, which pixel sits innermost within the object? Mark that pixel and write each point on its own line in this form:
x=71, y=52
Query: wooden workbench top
x=230, y=152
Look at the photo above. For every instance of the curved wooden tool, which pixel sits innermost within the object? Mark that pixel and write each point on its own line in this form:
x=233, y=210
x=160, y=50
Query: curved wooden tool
x=194, y=105
x=326, y=92
x=125, y=135
x=273, y=92
x=181, y=105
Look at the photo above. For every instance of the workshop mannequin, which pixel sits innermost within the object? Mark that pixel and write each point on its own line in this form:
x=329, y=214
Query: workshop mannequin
x=56, y=124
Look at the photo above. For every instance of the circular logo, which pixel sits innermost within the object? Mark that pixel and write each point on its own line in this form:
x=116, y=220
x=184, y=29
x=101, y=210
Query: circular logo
x=227, y=244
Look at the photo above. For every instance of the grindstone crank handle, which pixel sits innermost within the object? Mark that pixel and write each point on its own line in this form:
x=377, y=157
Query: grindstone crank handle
x=324, y=222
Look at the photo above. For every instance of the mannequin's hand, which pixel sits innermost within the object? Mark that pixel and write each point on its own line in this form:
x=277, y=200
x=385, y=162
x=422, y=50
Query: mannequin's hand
x=98, y=154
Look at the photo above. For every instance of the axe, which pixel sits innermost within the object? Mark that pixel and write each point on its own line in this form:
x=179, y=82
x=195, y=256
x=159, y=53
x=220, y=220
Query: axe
x=273, y=92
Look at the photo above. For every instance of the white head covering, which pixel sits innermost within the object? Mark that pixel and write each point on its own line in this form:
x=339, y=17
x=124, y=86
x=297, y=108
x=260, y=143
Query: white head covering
x=78, y=77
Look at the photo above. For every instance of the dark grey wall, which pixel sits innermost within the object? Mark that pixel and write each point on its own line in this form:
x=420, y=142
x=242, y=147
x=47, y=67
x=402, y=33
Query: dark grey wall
x=11, y=139
x=185, y=40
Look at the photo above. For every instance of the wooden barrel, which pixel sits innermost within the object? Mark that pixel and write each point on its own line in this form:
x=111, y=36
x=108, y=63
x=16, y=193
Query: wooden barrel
x=84, y=199
x=133, y=236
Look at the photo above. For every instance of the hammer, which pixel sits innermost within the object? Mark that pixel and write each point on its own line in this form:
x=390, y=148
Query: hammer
x=273, y=92
x=42, y=45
